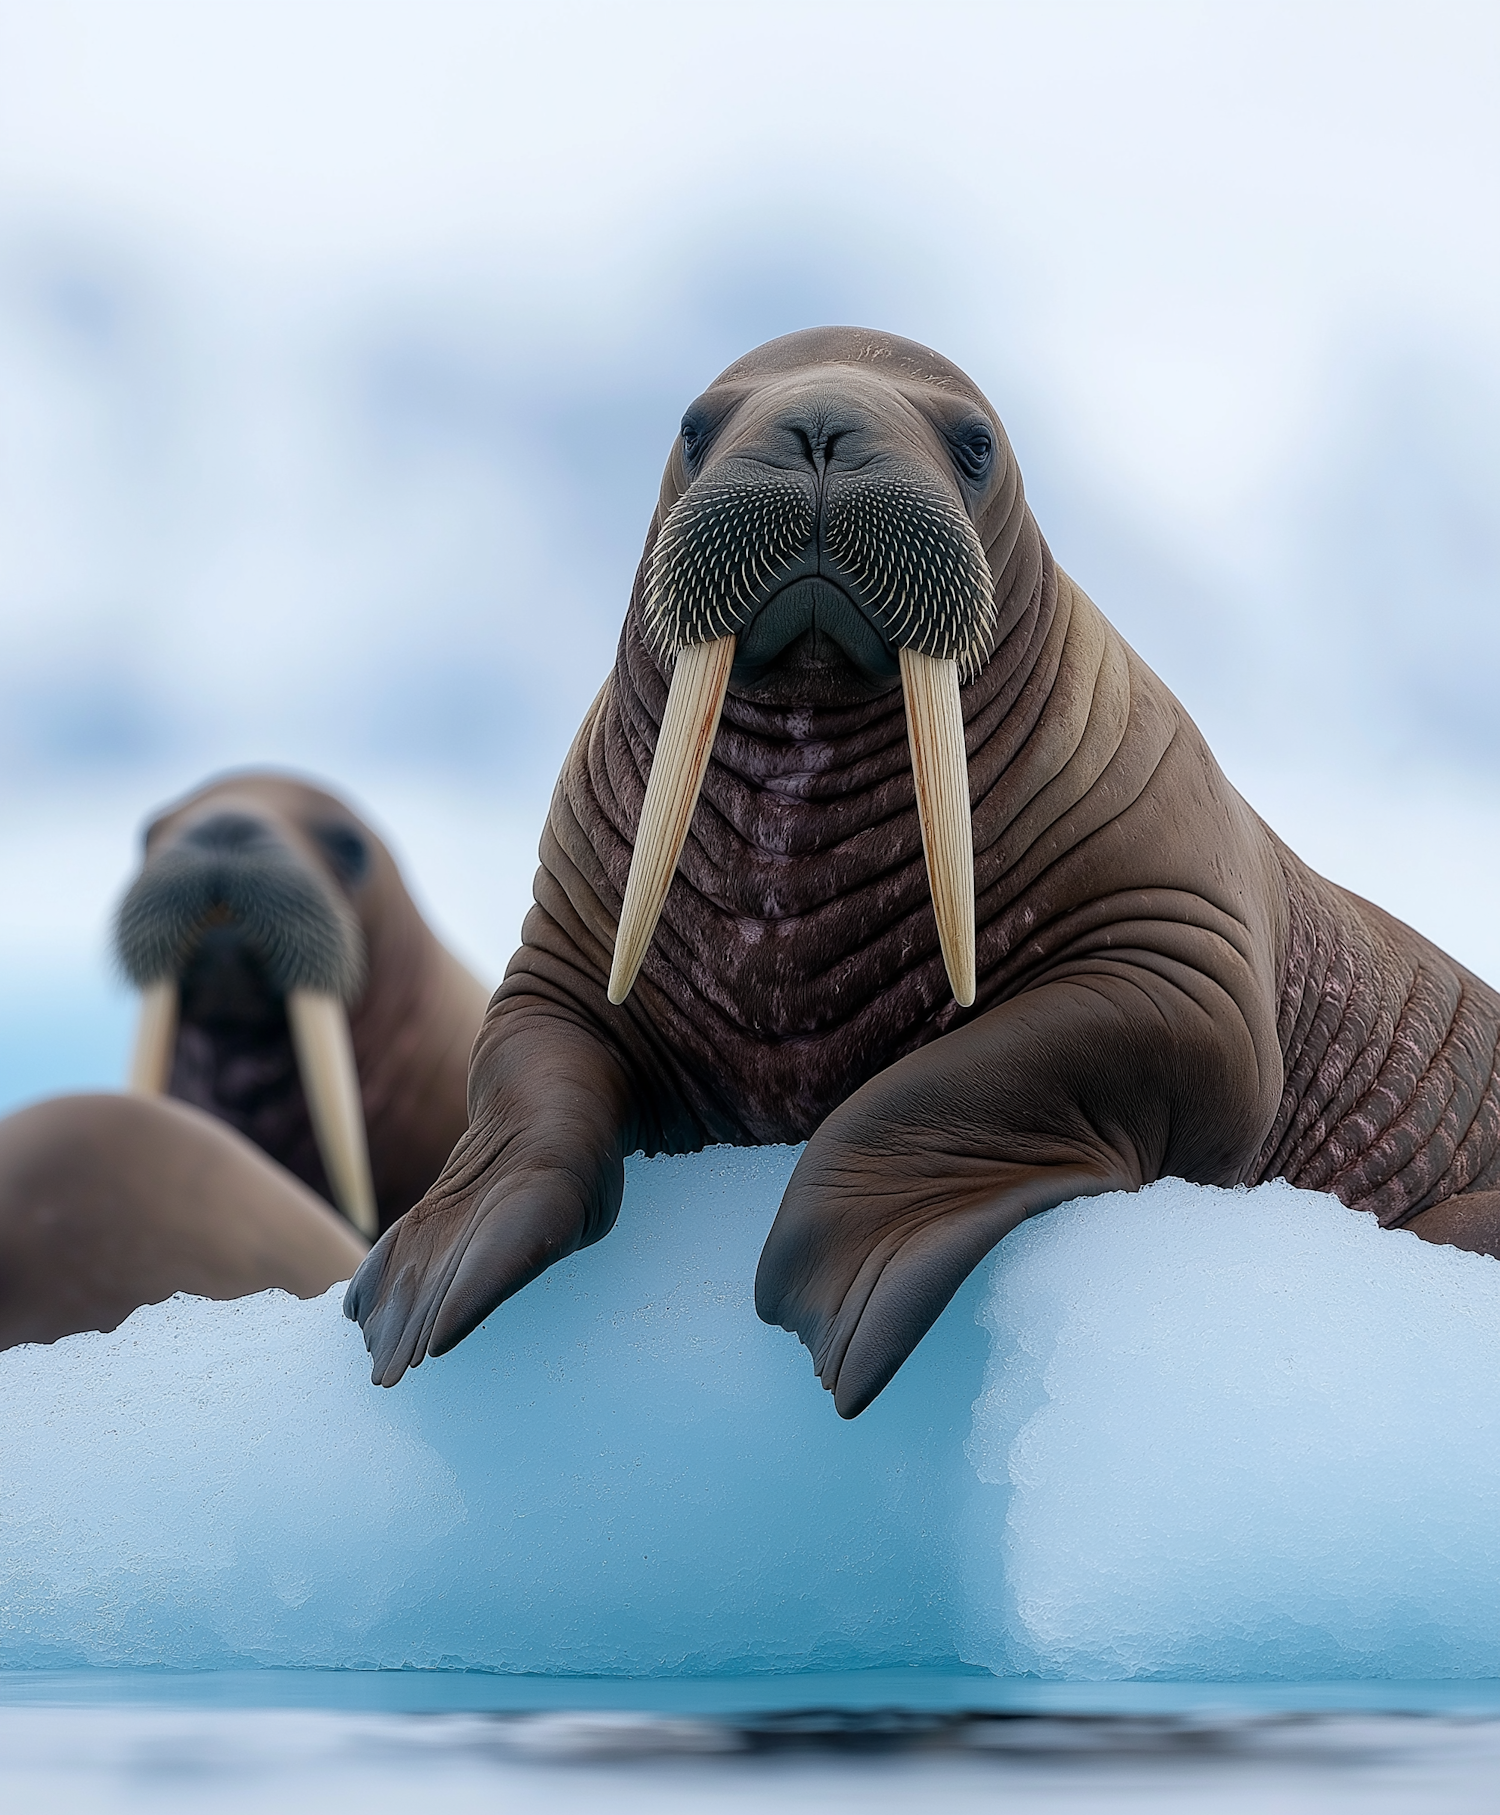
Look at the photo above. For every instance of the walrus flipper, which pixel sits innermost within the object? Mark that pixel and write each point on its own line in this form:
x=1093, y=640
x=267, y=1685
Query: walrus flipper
x=539, y=1174
x=1062, y=1092
x=1470, y=1220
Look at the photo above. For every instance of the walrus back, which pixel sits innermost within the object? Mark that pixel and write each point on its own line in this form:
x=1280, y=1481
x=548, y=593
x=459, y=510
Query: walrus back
x=111, y=1202
x=1392, y=1056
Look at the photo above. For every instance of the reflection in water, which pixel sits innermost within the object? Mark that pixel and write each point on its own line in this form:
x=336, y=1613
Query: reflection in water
x=291, y=1760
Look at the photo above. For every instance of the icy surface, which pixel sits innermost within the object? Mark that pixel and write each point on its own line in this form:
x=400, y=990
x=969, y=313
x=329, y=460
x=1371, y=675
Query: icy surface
x=624, y=1471
x=1206, y=1435
x=1230, y=1434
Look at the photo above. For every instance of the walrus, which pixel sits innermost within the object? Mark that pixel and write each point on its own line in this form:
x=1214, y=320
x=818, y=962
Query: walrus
x=108, y=1203
x=291, y=988
x=880, y=838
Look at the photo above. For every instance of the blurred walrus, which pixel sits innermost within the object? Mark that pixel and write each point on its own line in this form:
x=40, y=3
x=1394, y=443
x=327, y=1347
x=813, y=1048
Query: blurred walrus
x=920, y=704
x=108, y=1203
x=291, y=988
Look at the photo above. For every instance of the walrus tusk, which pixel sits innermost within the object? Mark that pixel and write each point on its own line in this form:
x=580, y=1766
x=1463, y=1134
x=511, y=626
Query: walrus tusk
x=688, y=727
x=935, y=727
x=155, y=1040
x=325, y=1062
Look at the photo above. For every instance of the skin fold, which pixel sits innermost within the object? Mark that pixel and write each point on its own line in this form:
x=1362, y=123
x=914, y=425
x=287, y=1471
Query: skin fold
x=108, y=1203
x=1163, y=988
x=413, y=1008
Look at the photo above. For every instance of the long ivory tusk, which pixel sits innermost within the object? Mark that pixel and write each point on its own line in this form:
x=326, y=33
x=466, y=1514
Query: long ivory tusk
x=935, y=726
x=687, y=734
x=155, y=1040
x=325, y=1060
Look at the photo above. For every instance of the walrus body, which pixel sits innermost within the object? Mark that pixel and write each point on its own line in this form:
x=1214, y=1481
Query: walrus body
x=1161, y=987
x=108, y=1203
x=253, y=886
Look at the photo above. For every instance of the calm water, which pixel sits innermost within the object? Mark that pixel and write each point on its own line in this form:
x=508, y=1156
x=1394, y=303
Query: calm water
x=294, y=1741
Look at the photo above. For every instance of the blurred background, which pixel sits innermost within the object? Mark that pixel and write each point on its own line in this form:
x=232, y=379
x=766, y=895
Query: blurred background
x=341, y=346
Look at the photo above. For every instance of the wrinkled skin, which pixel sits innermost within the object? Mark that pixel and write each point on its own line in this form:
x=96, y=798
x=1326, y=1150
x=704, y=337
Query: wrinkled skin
x=108, y=1203
x=412, y=1022
x=1163, y=989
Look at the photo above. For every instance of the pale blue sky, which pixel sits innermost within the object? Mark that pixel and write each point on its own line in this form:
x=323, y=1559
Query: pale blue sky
x=341, y=345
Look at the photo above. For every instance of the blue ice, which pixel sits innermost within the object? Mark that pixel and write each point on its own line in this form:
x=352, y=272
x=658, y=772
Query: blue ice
x=623, y=1471
x=1232, y=1434
x=1186, y=1433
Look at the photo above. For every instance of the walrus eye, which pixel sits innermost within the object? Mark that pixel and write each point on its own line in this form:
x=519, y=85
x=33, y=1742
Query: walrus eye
x=345, y=850
x=974, y=452
x=692, y=440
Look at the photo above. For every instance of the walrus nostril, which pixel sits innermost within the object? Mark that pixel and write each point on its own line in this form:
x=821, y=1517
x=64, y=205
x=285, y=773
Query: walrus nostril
x=228, y=832
x=818, y=443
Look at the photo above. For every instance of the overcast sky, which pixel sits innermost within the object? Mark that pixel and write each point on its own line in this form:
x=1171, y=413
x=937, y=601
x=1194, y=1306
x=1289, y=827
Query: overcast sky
x=341, y=346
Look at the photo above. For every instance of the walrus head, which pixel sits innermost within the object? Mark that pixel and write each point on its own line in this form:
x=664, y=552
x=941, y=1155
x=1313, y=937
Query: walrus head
x=834, y=519
x=241, y=929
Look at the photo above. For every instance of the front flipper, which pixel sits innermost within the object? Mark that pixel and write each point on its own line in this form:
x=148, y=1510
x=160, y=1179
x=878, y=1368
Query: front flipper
x=1471, y=1220
x=538, y=1175
x=1075, y=1088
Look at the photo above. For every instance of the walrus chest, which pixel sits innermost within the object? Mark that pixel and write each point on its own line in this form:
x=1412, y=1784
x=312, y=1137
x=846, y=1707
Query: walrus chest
x=797, y=957
x=797, y=954
x=249, y=1078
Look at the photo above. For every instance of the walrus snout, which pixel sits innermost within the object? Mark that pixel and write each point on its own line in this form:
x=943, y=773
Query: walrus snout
x=233, y=870
x=839, y=478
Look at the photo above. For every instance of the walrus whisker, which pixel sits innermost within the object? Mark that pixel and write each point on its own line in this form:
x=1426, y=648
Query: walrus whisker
x=319, y=1027
x=935, y=728
x=304, y=935
x=686, y=739
x=916, y=564
x=718, y=555
x=155, y=1039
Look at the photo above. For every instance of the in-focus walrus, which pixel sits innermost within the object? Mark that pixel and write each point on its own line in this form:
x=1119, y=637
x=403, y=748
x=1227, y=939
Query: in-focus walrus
x=291, y=988
x=1151, y=984
x=108, y=1203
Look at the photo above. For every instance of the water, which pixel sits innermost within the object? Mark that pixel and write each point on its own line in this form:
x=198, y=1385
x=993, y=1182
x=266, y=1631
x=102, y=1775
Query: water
x=293, y=1741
